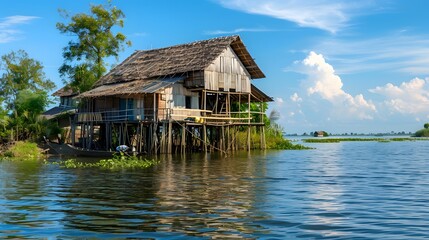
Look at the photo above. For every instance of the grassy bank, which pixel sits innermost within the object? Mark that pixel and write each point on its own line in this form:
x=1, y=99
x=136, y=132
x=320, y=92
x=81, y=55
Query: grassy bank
x=337, y=140
x=22, y=150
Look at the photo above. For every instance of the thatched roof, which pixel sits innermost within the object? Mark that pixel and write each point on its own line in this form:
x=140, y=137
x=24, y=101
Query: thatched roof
x=65, y=91
x=260, y=96
x=177, y=60
x=133, y=87
x=56, y=111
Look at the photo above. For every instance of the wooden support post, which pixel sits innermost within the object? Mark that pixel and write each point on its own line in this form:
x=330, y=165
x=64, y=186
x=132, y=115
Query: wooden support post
x=150, y=138
x=228, y=137
x=263, y=144
x=162, y=143
x=248, y=137
x=73, y=134
x=155, y=137
x=205, y=137
x=248, y=122
x=183, y=142
x=222, y=139
x=170, y=137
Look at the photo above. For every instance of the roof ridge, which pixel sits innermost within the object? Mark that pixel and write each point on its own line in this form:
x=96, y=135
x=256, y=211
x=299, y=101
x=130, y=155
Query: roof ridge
x=232, y=37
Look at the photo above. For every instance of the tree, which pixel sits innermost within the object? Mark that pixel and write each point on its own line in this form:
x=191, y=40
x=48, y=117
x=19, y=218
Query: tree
x=25, y=118
x=94, y=41
x=20, y=72
x=426, y=126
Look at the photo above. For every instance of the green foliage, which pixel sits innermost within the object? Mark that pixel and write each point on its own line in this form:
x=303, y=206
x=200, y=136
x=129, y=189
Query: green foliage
x=257, y=111
x=23, y=89
x=24, y=151
x=20, y=72
x=426, y=125
x=119, y=161
x=422, y=133
x=273, y=139
x=4, y=124
x=84, y=56
x=25, y=119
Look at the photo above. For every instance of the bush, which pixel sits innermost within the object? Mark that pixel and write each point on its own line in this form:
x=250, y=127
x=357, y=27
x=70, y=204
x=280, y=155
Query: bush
x=24, y=151
x=273, y=139
x=422, y=133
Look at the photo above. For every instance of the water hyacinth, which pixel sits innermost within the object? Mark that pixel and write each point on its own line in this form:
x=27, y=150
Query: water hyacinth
x=117, y=162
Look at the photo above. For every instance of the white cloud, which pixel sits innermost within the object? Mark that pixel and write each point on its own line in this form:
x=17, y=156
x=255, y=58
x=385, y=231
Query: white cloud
x=279, y=101
x=328, y=15
x=295, y=98
x=238, y=30
x=395, y=52
x=324, y=82
x=408, y=98
x=8, y=31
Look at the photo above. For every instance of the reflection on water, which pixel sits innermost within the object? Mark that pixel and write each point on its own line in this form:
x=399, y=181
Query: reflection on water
x=349, y=190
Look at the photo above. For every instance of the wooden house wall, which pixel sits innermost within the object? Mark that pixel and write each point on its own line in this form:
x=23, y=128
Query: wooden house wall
x=175, y=99
x=227, y=73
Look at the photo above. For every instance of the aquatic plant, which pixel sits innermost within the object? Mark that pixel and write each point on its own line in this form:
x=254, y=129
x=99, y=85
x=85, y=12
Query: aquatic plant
x=117, y=162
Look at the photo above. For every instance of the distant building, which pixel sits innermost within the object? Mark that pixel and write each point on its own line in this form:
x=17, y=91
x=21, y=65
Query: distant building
x=320, y=133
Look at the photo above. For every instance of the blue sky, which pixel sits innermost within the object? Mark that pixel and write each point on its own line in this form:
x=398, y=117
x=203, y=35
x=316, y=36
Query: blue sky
x=333, y=65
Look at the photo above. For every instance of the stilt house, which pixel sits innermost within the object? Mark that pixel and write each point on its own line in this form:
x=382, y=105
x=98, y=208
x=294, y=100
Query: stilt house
x=190, y=97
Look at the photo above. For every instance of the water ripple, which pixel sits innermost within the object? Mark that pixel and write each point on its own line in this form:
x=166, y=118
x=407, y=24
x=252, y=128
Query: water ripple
x=359, y=190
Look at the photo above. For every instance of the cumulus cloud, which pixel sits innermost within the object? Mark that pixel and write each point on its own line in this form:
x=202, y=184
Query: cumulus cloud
x=279, y=101
x=410, y=97
x=324, y=82
x=328, y=15
x=295, y=98
x=8, y=31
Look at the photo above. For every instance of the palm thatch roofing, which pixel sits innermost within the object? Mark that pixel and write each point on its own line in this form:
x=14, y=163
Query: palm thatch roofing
x=65, y=91
x=178, y=60
x=132, y=87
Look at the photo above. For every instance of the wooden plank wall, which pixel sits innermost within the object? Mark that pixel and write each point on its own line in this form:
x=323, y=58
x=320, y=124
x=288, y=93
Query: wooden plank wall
x=227, y=73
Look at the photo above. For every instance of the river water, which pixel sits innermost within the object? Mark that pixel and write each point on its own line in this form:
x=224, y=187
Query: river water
x=349, y=190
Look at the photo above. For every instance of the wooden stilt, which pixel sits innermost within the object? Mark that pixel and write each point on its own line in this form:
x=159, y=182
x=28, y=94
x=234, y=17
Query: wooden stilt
x=183, y=142
x=222, y=139
x=205, y=138
x=170, y=138
x=263, y=144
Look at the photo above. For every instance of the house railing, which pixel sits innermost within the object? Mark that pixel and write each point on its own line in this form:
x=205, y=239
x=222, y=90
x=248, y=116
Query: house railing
x=161, y=114
x=136, y=114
